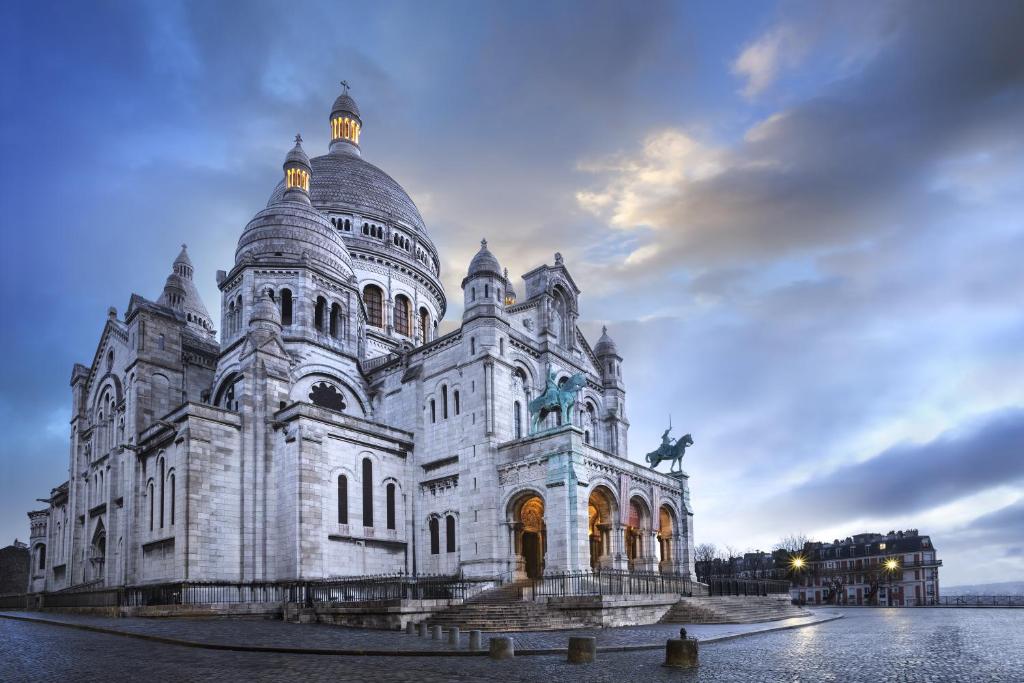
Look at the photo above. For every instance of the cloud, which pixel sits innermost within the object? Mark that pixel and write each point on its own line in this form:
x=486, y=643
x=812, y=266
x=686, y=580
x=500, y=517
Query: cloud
x=913, y=477
x=761, y=60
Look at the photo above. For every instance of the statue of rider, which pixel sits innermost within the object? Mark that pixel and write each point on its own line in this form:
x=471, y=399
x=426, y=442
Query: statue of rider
x=666, y=443
x=552, y=384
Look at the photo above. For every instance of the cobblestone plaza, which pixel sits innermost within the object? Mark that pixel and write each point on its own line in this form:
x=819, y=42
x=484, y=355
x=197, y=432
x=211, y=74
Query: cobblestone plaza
x=865, y=645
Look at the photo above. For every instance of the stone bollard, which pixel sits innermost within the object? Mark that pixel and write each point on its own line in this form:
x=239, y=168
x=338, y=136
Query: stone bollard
x=422, y=626
x=474, y=640
x=435, y=633
x=502, y=647
x=582, y=650
x=453, y=636
x=410, y=628
x=681, y=653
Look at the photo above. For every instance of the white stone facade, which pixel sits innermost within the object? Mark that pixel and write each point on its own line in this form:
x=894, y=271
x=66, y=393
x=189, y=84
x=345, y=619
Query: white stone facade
x=332, y=432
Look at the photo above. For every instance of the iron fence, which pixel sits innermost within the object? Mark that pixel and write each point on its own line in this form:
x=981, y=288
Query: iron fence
x=110, y=597
x=16, y=601
x=606, y=582
x=750, y=587
x=981, y=601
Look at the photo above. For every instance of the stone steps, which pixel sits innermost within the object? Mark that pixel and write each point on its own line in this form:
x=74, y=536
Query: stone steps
x=731, y=610
x=501, y=609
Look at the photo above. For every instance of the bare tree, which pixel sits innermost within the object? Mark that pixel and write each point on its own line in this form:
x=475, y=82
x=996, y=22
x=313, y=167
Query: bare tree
x=793, y=543
x=704, y=555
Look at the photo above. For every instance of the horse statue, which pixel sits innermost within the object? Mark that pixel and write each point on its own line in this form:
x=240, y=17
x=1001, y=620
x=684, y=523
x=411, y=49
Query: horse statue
x=556, y=397
x=670, y=451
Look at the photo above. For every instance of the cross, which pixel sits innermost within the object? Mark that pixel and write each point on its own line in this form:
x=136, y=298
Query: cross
x=298, y=138
x=344, y=84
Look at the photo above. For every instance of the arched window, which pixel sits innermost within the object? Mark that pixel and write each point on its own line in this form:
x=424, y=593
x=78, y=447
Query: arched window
x=518, y=411
x=367, y=492
x=435, y=537
x=456, y=397
x=342, y=499
x=320, y=314
x=373, y=299
x=487, y=291
x=163, y=466
x=433, y=411
x=425, y=324
x=170, y=482
x=472, y=346
x=335, y=327
x=238, y=313
x=286, y=307
x=444, y=401
x=391, y=506
x=151, y=494
x=42, y=556
x=403, y=316
x=449, y=533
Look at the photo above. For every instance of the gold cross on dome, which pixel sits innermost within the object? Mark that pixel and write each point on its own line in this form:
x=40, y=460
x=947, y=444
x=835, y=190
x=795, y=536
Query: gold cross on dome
x=344, y=84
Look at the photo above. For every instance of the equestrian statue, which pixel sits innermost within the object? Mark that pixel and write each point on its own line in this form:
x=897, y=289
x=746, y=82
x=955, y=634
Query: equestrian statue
x=561, y=397
x=670, y=449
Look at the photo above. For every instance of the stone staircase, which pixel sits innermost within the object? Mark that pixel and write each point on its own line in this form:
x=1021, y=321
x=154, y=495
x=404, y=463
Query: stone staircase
x=732, y=609
x=501, y=609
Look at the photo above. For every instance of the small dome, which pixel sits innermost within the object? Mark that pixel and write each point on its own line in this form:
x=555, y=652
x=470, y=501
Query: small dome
x=297, y=155
x=345, y=105
x=293, y=231
x=510, y=290
x=180, y=293
x=605, y=345
x=484, y=262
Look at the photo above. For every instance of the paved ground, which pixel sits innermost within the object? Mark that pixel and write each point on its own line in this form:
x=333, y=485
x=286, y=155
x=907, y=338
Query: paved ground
x=876, y=646
x=274, y=633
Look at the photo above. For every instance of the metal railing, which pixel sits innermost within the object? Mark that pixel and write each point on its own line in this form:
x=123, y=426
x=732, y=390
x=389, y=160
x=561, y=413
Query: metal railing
x=606, y=582
x=384, y=588
x=15, y=601
x=981, y=601
x=110, y=597
x=750, y=587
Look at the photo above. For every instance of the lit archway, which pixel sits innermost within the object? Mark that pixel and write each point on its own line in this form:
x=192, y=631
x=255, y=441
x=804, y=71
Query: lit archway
x=637, y=528
x=666, y=537
x=529, y=534
x=601, y=518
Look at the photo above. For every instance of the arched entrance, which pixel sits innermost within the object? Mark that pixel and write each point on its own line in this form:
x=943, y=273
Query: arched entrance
x=666, y=535
x=601, y=516
x=98, y=550
x=637, y=529
x=529, y=534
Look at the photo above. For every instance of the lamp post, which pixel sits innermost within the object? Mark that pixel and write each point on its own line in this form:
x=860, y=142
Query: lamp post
x=891, y=565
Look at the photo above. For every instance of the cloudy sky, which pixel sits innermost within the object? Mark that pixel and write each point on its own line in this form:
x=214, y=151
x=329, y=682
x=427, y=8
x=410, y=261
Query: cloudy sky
x=802, y=223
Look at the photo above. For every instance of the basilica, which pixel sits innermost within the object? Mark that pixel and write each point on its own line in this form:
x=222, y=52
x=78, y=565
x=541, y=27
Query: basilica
x=324, y=427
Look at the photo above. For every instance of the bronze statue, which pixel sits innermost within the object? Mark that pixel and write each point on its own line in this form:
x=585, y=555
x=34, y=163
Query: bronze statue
x=670, y=449
x=562, y=398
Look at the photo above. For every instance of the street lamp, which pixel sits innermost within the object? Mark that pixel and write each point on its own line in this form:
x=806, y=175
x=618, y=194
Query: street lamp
x=797, y=562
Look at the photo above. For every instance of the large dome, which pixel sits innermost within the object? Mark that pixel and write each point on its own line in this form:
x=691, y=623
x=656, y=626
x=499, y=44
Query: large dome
x=344, y=181
x=294, y=231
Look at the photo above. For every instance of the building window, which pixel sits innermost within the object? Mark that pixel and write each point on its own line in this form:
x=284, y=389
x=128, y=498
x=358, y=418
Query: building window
x=435, y=537
x=373, y=299
x=162, y=468
x=286, y=307
x=42, y=557
x=449, y=533
x=425, y=324
x=342, y=499
x=152, y=501
x=433, y=410
x=335, y=324
x=456, y=397
x=320, y=314
x=444, y=402
x=326, y=395
x=367, y=492
x=518, y=413
x=391, y=506
x=403, y=316
x=472, y=346
x=487, y=291
x=170, y=481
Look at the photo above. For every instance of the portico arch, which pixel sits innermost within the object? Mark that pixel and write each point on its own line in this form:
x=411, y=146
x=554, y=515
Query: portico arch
x=638, y=528
x=666, y=537
x=601, y=512
x=529, y=533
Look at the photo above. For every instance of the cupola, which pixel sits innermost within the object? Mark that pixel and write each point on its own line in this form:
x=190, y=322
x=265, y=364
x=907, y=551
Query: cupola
x=297, y=173
x=483, y=288
x=510, y=292
x=346, y=125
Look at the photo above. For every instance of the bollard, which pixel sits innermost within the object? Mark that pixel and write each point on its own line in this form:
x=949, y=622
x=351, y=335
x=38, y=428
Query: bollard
x=681, y=654
x=582, y=649
x=474, y=640
x=453, y=636
x=410, y=628
x=422, y=626
x=502, y=647
x=435, y=633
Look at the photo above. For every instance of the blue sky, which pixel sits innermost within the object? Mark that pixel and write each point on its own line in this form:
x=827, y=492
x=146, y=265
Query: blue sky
x=802, y=223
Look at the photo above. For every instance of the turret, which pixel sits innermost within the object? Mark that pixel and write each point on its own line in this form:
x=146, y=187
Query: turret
x=297, y=173
x=614, y=390
x=484, y=286
x=180, y=294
